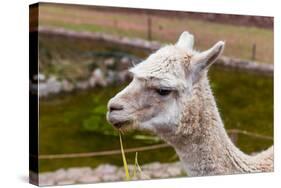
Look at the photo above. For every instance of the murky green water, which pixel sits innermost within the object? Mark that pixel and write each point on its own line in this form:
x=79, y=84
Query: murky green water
x=75, y=123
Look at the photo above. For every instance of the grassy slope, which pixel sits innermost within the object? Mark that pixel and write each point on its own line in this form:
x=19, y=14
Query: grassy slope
x=239, y=38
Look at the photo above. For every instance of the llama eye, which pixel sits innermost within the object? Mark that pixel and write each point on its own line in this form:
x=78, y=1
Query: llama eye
x=163, y=92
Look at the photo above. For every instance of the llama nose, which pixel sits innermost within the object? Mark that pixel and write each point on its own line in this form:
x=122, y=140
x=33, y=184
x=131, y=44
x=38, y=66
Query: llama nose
x=115, y=107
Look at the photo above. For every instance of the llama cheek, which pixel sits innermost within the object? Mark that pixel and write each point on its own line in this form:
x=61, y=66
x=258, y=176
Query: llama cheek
x=147, y=115
x=147, y=108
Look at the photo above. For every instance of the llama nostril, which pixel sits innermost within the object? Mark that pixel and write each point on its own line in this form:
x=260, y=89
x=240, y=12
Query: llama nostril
x=115, y=107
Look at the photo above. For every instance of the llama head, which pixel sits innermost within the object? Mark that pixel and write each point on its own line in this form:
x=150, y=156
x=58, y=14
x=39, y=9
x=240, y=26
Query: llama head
x=161, y=84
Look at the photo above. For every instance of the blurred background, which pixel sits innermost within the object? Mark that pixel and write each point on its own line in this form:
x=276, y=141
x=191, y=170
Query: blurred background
x=84, y=54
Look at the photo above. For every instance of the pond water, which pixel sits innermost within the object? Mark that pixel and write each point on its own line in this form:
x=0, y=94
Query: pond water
x=75, y=122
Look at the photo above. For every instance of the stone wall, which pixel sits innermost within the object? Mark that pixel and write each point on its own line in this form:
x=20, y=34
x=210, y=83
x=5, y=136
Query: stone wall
x=109, y=173
x=50, y=84
x=239, y=64
x=114, y=71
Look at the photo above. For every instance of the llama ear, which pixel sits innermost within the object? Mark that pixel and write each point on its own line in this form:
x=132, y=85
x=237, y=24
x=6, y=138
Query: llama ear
x=202, y=61
x=185, y=41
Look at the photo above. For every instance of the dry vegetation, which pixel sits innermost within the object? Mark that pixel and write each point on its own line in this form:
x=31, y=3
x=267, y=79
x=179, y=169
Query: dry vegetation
x=239, y=39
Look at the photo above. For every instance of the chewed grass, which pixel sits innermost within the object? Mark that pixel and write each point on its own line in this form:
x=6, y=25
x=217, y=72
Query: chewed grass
x=136, y=169
x=124, y=159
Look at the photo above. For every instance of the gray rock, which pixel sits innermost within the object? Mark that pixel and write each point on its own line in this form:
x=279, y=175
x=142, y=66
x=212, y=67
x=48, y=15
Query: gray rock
x=174, y=171
x=105, y=169
x=66, y=182
x=51, y=79
x=109, y=61
x=43, y=89
x=158, y=174
x=82, y=85
x=130, y=167
x=111, y=77
x=40, y=77
x=48, y=182
x=125, y=63
x=92, y=81
x=46, y=179
x=123, y=75
x=111, y=177
x=120, y=173
x=76, y=173
x=144, y=176
x=59, y=175
x=67, y=86
x=107, y=172
x=99, y=77
x=89, y=179
x=53, y=86
x=152, y=166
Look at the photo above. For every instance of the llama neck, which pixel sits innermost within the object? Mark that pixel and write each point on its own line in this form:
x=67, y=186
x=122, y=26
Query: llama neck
x=201, y=142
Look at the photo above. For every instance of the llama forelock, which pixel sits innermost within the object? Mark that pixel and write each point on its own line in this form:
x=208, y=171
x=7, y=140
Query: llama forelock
x=167, y=67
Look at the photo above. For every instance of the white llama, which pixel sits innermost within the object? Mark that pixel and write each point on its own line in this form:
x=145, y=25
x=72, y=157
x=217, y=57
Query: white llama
x=170, y=96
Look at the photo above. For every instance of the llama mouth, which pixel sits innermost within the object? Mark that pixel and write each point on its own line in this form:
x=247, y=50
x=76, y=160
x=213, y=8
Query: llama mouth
x=119, y=122
x=121, y=125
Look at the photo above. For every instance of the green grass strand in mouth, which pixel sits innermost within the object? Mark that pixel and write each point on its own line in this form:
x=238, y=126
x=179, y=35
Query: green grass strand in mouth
x=124, y=159
x=137, y=166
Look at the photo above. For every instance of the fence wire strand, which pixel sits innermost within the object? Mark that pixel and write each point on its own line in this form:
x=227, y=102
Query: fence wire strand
x=138, y=149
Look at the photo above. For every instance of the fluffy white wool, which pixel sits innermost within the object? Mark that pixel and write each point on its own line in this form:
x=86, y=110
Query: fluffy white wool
x=187, y=119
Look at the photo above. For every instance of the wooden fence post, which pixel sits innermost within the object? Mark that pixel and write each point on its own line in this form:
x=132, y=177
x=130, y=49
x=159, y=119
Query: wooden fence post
x=149, y=22
x=254, y=52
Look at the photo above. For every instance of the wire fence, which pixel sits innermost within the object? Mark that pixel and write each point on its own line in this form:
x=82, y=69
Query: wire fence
x=150, y=46
x=139, y=149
